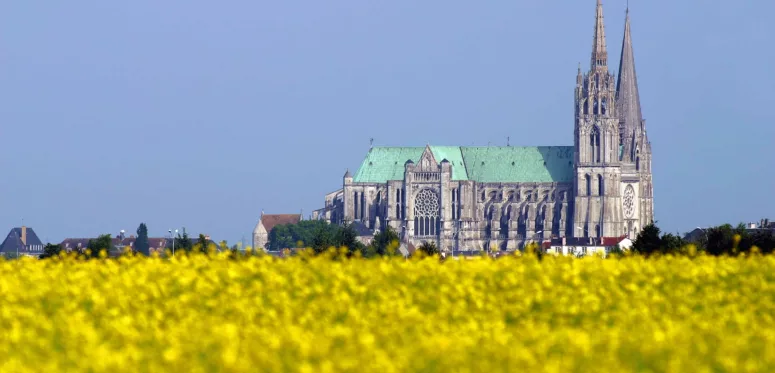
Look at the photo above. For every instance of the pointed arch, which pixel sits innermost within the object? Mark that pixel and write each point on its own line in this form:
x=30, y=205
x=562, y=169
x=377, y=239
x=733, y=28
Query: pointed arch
x=600, y=185
x=588, y=180
x=594, y=144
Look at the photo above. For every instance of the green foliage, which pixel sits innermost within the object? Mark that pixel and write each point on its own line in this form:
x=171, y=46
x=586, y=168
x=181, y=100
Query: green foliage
x=348, y=237
x=102, y=243
x=51, y=251
x=648, y=241
x=302, y=234
x=182, y=243
x=384, y=243
x=721, y=240
x=317, y=234
x=428, y=248
x=141, y=243
x=202, y=244
x=728, y=240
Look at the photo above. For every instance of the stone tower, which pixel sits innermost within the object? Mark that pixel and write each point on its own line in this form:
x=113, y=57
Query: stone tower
x=597, y=207
x=636, y=187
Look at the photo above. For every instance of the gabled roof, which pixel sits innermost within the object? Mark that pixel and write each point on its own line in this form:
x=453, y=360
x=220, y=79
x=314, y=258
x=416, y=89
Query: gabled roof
x=14, y=240
x=269, y=221
x=481, y=164
x=387, y=163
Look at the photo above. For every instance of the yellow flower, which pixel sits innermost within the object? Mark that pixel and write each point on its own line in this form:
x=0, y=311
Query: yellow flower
x=328, y=313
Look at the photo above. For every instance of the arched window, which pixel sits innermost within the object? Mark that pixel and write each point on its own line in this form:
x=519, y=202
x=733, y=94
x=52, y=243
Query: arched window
x=600, y=189
x=589, y=185
x=540, y=219
x=378, y=205
x=426, y=213
x=454, y=203
x=596, y=110
x=357, y=209
x=400, y=204
x=604, y=106
x=505, y=219
x=523, y=220
x=594, y=144
x=586, y=107
x=637, y=163
x=363, y=205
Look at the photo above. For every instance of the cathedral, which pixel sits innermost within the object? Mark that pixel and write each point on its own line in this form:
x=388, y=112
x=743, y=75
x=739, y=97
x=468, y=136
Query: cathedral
x=477, y=198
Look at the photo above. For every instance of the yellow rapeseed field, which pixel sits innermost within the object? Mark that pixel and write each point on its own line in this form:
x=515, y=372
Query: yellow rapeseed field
x=199, y=314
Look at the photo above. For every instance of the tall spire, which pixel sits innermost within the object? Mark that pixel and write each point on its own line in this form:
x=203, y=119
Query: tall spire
x=599, y=51
x=627, y=96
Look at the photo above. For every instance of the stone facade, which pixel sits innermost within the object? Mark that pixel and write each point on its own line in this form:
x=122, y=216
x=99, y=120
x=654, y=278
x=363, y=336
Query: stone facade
x=476, y=198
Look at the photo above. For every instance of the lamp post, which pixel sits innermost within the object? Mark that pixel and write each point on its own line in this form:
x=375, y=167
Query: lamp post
x=172, y=237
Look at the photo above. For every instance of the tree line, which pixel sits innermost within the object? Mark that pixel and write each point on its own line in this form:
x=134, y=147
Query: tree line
x=721, y=240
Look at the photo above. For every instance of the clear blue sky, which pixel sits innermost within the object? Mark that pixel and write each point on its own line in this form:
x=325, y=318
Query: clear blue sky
x=201, y=113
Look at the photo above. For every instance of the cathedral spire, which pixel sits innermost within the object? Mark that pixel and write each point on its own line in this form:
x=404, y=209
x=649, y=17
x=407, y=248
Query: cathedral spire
x=627, y=96
x=599, y=51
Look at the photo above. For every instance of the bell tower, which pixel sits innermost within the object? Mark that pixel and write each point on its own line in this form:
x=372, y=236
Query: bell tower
x=597, y=204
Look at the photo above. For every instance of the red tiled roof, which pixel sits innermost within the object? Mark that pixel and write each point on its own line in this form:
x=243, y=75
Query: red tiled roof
x=269, y=221
x=612, y=241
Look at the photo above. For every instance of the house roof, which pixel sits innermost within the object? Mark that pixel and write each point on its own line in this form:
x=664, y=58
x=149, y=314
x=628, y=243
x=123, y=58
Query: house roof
x=588, y=241
x=14, y=240
x=269, y=221
x=481, y=164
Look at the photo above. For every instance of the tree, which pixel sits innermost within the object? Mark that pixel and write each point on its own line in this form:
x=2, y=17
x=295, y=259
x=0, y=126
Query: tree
x=322, y=240
x=672, y=244
x=183, y=242
x=202, y=244
x=764, y=240
x=428, y=248
x=648, y=241
x=103, y=242
x=348, y=237
x=141, y=243
x=51, y=251
x=721, y=240
x=384, y=242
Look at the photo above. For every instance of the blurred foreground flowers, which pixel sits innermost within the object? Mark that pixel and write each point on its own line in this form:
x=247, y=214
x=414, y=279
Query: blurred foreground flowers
x=317, y=314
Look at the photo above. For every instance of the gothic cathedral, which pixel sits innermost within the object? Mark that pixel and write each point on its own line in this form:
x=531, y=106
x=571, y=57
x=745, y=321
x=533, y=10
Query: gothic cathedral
x=475, y=198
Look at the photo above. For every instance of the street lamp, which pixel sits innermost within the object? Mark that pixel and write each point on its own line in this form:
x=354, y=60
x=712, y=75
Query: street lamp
x=173, y=240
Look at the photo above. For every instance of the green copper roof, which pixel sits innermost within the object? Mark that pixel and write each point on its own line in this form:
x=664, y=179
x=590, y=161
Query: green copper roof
x=387, y=163
x=542, y=164
x=482, y=164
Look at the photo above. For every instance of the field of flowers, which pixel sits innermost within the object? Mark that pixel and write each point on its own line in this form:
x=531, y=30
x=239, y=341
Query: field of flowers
x=198, y=314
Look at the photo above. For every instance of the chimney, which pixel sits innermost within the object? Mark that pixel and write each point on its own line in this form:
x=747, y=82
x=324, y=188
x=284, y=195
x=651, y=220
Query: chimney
x=24, y=235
